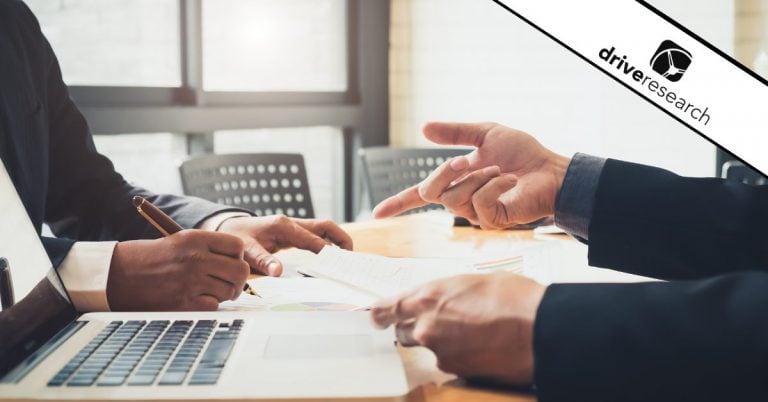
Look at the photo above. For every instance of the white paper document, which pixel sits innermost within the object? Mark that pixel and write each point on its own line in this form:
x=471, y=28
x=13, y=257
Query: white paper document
x=300, y=294
x=381, y=276
x=344, y=280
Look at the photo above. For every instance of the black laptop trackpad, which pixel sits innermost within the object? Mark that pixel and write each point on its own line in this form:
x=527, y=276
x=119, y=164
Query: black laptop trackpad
x=318, y=346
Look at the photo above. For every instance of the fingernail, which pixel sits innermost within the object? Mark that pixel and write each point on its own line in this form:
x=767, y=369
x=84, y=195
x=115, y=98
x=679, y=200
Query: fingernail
x=459, y=163
x=272, y=268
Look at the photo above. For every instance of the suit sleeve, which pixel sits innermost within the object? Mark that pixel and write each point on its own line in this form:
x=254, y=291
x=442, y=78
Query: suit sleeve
x=56, y=249
x=86, y=198
x=704, y=340
x=651, y=222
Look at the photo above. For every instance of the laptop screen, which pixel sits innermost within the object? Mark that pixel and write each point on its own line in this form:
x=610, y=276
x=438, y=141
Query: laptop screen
x=32, y=321
x=42, y=306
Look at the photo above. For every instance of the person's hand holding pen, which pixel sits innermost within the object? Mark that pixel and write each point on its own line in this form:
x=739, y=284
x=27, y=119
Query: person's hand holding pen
x=186, y=270
x=264, y=235
x=197, y=269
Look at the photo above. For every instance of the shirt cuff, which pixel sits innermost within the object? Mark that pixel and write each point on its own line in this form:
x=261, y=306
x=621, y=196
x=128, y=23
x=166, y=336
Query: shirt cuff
x=84, y=273
x=576, y=200
x=212, y=224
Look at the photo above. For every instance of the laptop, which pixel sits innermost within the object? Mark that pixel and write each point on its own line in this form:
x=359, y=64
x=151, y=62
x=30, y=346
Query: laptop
x=48, y=352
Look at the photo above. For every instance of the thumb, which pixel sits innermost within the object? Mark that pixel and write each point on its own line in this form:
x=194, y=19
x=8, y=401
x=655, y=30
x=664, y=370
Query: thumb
x=491, y=211
x=457, y=133
x=261, y=260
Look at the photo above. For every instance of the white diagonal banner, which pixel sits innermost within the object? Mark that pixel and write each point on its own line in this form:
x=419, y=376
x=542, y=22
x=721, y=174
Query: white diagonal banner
x=664, y=63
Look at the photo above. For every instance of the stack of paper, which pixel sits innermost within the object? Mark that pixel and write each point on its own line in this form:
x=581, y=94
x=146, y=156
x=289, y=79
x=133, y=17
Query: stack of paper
x=381, y=276
x=300, y=294
x=345, y=280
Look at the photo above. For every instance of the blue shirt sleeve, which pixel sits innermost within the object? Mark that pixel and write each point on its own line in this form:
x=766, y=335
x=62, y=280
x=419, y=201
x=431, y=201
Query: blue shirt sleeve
x=574, y=204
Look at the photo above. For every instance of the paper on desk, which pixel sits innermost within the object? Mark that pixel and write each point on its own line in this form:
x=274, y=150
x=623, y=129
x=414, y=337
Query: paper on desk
x=381, y=276
x=299, y=294
x=346, y=280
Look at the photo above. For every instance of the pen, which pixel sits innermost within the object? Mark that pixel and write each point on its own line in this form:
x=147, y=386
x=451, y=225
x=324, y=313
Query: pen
x=6, y=285
x=166, y=225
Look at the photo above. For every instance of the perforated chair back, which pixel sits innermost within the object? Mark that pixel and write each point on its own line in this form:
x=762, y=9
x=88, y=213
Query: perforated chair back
x=391, y=170
x=263, y=183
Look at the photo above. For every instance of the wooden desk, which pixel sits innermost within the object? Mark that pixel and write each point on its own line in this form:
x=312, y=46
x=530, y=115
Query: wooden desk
x=433, y=235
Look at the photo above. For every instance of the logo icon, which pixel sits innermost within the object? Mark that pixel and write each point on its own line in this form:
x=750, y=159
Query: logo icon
x=671, y=60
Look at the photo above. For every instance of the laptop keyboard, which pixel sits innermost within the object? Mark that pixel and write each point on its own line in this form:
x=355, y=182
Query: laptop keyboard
x=137, y=353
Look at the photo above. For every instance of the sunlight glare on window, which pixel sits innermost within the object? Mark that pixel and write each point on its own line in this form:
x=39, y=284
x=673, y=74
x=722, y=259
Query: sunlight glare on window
x=114, y=42
x=275, y=45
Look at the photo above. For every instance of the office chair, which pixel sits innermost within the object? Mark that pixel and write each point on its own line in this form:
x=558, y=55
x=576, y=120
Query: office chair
x=263, y=183
x=731, y=169
x=736, y=171
x=391, y=170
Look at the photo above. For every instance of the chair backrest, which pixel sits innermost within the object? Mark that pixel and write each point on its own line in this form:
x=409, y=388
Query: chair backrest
x=263, y=183
x=736, y=171
x=391, y=170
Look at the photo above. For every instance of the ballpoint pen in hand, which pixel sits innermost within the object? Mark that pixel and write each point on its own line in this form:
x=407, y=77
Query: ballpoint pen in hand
x=166, y=225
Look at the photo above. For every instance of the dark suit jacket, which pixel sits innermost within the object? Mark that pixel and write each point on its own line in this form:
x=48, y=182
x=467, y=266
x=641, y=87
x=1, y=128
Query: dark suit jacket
x=703, y=337
x=48, y=151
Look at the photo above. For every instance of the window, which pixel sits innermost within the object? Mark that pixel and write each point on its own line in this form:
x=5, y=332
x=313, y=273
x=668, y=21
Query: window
x=149, y=160
x=447, y=66
x=113, y=42
x=274, y=45
x=320, y=146
x=206, y=70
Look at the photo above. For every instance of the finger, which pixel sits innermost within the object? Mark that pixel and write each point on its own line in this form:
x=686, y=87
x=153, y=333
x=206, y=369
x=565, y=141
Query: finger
x=222, y=243
x=204, y=302
x=392, y=311
x=425, y=192
x=327, y=230
x=227, y=269
x=491, y=212
x=404, y=333
x=218, y=288
x=399, y=203
x=441, y=178
x=291, y=234
x=262, y=261
x=458, y=198
x=457, y=133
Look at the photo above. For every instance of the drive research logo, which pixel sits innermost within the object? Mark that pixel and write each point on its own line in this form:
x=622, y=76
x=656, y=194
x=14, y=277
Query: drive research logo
x=671, y=60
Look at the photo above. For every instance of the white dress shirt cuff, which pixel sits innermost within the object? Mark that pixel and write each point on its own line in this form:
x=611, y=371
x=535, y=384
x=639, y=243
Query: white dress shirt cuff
x=84, y=273
x=212, y=224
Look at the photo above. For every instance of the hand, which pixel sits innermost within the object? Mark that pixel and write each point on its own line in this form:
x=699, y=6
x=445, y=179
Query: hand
x=269, y=234
x=509, y=179
x=190, y=270
x=478, y=325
